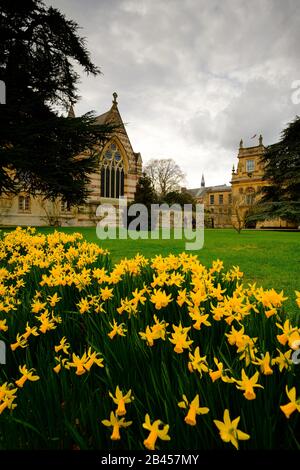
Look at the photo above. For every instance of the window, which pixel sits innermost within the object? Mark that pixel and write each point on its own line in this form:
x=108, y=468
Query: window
x=221, y=199
x=212, y=199
x=112, y=173
x=250, y=195
x=24, y=203
x=229, y=198
x=65, y=207
x=241, y=190
x=249, y=166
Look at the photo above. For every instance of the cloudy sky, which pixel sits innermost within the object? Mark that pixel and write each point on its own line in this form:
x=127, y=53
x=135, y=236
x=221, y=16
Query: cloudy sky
x=193, y=76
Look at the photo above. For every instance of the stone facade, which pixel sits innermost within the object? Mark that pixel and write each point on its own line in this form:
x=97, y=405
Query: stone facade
x=117, y=174
x=224, y=205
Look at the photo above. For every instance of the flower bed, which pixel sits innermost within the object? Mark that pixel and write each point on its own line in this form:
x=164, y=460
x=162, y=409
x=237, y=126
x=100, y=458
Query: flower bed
x=158, y=354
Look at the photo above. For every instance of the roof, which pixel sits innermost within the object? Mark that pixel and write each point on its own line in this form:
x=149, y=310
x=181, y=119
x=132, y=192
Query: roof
x=198, y=192
x=102, y=118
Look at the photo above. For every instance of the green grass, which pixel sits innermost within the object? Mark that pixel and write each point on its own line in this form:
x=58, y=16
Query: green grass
x=271, y=259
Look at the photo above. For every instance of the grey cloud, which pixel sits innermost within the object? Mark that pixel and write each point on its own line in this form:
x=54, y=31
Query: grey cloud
x=192, y=74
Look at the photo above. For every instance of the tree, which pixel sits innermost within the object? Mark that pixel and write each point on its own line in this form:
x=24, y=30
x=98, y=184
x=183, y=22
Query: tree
x=146, y=195
x=145, y=192
x=165, y=175
x=38, y=50
x=181, y=198
x=281, y=194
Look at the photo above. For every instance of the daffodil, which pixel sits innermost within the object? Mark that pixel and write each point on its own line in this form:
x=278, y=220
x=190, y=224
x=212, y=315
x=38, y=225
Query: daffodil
x=219, y=373
x=53, y=299
x=194, y=409
x=3, y=325
x=180, y=338
x=7, y=397
x=116, y=424
x=30, y=331
x=294, y=403
x=26, y=375
x=63, y=346
x=198, y=318
x=283, y=360
x=121, y=400
x=248, y=384
x=297, y=297
x=265, y=364
x=290, y=334
x=160, y=299
x=229, y=431
x=20, y=343
x=106, y=293
x=155, y=432
x=197, y=362
x=83, y=306
x=116, y=329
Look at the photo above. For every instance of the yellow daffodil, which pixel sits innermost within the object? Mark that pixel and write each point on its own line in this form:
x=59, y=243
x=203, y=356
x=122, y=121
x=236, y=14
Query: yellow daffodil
x=20, y=343
x=116, y=423
x=7, y=397
x=3, y=325
x=219, y=373
x=297, y=297
x=283, y=360
x=121, y=400
x=53, y=299
x=106, y=293
x=196, y=362
x=160, y=299
x=155, y=432
x=229, y=431
x=290, y=334
x=63, y=346
x=83, y=306
x=180, y=338
x=294, y=403
x=265, y=364
x=194, y=409
x=26, y=375
x=116, y=329
x=248, y=384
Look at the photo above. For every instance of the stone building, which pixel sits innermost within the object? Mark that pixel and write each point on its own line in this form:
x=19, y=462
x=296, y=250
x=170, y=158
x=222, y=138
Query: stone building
x=117, y=174
x=224, y=205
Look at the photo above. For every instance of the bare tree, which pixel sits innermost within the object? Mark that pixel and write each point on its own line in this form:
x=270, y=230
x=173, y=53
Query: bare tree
x=165, y=175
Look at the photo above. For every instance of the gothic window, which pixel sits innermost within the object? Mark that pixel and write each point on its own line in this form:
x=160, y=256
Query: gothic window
x=212, y=199
x=221, y=199
x=112, y=173
x=24, y=203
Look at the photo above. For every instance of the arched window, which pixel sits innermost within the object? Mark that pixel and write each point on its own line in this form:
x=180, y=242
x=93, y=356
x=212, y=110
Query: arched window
x=112, y=173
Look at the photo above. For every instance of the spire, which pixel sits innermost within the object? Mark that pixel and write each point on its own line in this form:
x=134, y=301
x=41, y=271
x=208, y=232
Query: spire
x=202, y=181
x=260, y=140
x=241, y=144
x=115, y=96
x=71, y=113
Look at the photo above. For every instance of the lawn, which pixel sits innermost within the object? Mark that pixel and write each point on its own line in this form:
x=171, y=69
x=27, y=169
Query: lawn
x=271, y=259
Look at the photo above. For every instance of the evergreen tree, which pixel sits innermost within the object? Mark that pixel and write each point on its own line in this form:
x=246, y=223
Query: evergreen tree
x=281, y=198
x=38, y=50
